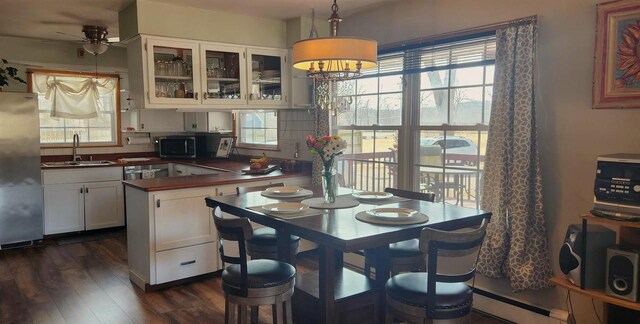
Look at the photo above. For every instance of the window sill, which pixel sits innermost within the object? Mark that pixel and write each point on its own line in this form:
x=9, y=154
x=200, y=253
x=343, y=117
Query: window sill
x=258, y=147
x=64, y=146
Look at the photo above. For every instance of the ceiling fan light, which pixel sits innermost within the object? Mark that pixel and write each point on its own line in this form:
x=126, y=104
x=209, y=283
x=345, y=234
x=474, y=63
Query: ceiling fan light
x=95, y=48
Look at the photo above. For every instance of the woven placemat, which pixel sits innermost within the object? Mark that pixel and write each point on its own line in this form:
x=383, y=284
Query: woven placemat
x=304, y=213
x=341, y=202
x=379, y=202
x=417, y=219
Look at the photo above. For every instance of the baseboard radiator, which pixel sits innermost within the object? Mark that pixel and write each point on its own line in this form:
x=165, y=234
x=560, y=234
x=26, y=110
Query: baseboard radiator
x=493, y=304
x=516, y=311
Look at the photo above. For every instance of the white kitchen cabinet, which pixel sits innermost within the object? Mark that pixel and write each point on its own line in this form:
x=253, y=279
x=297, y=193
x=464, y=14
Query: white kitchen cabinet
x=173, y=72
x=268, y=75
x=103, y=204
x=158, y=121
x=82, y=199
x=208, y=122
x=170, y=235
x=223, y=73
x=63, y=208
x=213, y=75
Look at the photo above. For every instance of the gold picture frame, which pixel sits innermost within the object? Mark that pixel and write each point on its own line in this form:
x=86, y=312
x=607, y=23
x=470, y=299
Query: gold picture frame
x=616, y=72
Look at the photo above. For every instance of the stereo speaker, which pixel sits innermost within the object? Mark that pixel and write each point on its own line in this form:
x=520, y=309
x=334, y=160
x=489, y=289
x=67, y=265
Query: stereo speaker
x=622, y=273
x=583, y=255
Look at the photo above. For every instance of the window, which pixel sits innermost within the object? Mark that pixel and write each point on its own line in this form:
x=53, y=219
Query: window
x=420, y=119
x=102, y=130
x=258, y=129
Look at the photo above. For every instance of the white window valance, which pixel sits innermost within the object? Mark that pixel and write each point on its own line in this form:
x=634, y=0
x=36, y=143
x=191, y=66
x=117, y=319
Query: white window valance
x=73, y=97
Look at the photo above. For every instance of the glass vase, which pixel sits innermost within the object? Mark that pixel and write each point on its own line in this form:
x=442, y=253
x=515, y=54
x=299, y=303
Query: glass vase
x=329, y=184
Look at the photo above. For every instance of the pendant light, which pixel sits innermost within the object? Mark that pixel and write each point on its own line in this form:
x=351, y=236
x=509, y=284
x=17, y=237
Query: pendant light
x=334, y=58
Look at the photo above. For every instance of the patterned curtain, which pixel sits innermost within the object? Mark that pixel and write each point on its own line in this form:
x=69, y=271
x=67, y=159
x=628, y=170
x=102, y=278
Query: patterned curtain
x=322, y=127
x=516, y=243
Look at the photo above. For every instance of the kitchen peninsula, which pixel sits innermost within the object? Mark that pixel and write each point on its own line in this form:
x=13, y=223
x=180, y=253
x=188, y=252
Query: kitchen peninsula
x=170, y=232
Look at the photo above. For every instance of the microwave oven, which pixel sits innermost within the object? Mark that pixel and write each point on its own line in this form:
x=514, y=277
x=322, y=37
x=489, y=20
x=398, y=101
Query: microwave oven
x=617, y=183
x=177, y=147
x=189, y=147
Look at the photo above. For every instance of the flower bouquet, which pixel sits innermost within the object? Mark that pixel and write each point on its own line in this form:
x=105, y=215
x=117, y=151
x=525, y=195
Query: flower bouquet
x=327, y=147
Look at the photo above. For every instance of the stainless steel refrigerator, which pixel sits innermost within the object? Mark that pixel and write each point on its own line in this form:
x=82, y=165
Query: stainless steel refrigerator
x=20, y=183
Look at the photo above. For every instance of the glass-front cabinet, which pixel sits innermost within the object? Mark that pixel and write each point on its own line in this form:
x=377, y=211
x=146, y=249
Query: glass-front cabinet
x=222, y=71
x=266, y=72
x=189, y=74
x=172, y=76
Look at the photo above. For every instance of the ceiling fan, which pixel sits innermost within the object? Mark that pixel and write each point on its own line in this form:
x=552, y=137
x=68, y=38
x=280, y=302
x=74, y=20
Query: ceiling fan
x=95, y=39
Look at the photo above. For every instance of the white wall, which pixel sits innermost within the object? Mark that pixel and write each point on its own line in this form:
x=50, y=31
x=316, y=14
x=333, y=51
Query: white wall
x=163, y=19
x=571, y=134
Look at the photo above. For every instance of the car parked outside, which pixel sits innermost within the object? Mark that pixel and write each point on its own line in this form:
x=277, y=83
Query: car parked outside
x=454, y=144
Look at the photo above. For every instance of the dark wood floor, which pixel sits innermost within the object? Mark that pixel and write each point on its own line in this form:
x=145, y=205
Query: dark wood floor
x=88, y=282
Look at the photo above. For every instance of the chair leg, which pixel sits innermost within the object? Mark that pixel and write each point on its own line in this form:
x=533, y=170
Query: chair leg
x=388, y=317
x=242, y=317
x=287, y=306
x=230, y=312
x=254, y=314
x=277, y=312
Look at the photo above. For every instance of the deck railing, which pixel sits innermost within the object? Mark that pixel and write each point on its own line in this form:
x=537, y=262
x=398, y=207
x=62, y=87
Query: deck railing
x=377, y=171
x=368, y=171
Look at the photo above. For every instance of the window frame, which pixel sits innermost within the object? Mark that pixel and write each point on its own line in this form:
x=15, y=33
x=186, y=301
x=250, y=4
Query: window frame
x=117, y=108
x=409, y=132
x=238, y=131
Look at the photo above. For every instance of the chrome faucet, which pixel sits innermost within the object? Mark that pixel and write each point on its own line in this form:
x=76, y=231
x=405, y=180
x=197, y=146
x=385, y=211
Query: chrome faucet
x=76, y=144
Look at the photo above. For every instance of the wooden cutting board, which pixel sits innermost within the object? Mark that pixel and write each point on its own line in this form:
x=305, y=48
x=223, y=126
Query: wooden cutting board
x=260, y=171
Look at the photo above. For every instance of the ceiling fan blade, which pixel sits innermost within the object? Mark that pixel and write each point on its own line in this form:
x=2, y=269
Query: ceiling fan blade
x=74, y=36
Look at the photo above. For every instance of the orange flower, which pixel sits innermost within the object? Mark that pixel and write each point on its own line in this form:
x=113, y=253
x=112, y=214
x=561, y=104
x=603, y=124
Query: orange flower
x=628, y=58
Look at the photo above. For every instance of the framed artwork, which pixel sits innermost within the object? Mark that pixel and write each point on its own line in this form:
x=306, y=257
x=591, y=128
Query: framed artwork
x=616, y=72
x=225, y=146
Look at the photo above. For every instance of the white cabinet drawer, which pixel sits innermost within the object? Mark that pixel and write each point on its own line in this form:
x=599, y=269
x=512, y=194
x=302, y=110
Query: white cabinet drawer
x=82, y=175
x=182, y=219
x=186, y=262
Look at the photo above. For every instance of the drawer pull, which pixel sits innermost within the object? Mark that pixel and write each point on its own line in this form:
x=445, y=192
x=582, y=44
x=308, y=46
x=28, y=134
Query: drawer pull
x=187, y=262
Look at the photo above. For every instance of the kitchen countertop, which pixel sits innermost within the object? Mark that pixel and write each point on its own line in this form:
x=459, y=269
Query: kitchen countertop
x=206, y=180
x=193, y=181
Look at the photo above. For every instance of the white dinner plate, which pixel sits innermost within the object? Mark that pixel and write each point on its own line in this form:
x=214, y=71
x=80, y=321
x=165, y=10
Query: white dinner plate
x=286, y=190
x=392, y=213
x=372, y=195
x=285, y=208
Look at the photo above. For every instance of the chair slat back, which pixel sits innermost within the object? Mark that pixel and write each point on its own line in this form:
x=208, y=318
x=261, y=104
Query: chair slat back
x=426, y=196
x=243, y=190
x=449, y=244
x=237, y=229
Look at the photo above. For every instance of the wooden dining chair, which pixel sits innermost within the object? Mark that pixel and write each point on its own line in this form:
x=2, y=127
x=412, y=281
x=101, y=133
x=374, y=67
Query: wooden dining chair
x=403, y=256
x=264, y=243
x=438, y=294
x=252, y=283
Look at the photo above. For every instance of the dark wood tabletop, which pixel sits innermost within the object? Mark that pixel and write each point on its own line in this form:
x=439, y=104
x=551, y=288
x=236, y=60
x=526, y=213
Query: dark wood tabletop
x=336, y=231
x=339, y=227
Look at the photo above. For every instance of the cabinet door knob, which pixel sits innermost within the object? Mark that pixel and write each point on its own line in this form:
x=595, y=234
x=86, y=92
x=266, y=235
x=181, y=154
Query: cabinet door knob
x=195, y=96
x=81, y=190
x=158, y=203
x=86, y=190
x=204, y=96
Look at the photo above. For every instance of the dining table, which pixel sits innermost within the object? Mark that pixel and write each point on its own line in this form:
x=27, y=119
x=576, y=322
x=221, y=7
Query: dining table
x=337, y=294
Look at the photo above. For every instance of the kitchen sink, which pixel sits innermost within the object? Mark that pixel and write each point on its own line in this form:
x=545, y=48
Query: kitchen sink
x=78, y=163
